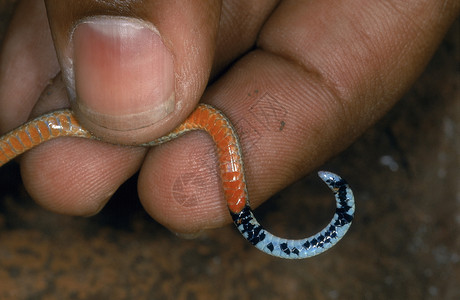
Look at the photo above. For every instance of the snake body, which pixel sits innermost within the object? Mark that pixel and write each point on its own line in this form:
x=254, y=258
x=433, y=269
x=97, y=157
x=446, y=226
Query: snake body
x=215, y=123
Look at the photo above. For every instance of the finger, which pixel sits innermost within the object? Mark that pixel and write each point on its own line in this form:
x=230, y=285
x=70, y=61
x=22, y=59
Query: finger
x=76, y=190
x=323, y=73
x=134, y=70
x=239, y=26
x=240, y=23
x=75, y=176
x=27, y=63
x=49, y=192
x=367, y=53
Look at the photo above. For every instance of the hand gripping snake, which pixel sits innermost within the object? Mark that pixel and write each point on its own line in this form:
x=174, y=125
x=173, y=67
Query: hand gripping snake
x=215, y=123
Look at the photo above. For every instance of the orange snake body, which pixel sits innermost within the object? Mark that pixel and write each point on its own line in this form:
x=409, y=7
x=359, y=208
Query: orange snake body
x=215, y=123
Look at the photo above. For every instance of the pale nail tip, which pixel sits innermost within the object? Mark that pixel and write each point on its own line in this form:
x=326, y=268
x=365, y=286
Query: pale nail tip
x=106, y=24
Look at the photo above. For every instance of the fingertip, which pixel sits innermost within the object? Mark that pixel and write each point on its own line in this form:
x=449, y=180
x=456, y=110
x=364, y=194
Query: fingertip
x=134, y=70
x=180, y=188
x=121, y=77
x=75, y=176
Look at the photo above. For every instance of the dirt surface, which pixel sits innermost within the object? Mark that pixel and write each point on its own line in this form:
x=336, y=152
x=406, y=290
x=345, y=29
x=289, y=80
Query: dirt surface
x=404, y=243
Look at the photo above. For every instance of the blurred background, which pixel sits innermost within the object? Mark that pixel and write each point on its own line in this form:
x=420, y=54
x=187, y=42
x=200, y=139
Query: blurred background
x=404, y=243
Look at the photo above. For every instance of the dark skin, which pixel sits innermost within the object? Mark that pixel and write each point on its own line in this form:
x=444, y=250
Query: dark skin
x=326, y=70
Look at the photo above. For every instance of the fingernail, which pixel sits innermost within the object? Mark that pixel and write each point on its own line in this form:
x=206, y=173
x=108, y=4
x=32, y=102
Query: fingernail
x=123, y=73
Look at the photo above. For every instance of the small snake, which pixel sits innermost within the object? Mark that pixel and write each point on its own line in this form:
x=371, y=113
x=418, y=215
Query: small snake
x=215, y=123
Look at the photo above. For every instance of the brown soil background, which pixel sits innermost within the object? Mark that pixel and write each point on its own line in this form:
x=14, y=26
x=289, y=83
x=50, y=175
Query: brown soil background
x=404, y=243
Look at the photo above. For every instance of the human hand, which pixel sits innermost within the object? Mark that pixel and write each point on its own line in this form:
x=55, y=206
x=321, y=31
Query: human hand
x=306, y=80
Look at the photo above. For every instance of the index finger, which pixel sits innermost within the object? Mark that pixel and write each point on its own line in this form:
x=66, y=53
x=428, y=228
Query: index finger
x=321, y=74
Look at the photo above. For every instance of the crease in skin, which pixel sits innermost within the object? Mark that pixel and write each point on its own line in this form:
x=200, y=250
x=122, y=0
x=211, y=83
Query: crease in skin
x=125, y=122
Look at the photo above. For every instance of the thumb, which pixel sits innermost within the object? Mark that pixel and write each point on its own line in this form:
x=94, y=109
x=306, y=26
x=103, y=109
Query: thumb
x=129, y=69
